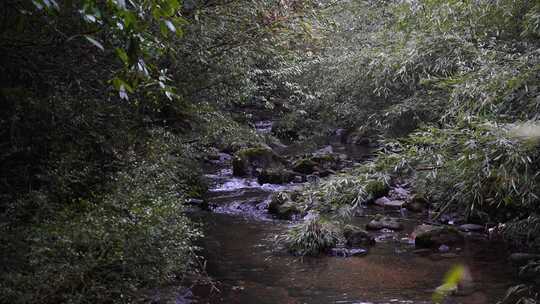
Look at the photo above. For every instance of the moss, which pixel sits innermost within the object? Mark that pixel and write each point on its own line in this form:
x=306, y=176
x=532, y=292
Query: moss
x=305, y=166
x=253, y=152
x=244, y=157
x=376, y=188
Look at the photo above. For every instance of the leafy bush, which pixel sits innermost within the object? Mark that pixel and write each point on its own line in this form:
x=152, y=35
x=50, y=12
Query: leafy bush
x=475, y=167
x=107, y=246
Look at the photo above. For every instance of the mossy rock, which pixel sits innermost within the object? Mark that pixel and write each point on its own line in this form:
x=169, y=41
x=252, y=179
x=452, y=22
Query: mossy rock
x=428, y=236
x=327, y=161
x=321, y=158
x=305, y=166
x=355, y=236
x=418, y=203
x=287, y=211
x=246, y=161
x=377, y=188
x=233, y=147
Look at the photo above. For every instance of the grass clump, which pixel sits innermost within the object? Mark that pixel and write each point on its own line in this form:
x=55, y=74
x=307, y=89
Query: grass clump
x=312, y=237
x=342, y=193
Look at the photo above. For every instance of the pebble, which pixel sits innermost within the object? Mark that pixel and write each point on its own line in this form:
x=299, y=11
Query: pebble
x=444, y=248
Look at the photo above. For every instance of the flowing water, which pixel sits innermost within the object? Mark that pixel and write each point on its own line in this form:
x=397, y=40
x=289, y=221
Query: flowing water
x=242, y=257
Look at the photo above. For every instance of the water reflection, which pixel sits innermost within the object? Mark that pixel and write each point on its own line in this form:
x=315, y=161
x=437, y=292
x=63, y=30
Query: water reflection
x=241, y=257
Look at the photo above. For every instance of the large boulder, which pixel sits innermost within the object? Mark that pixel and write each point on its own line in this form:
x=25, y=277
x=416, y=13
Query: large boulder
x=428, y=236
x=249, y=161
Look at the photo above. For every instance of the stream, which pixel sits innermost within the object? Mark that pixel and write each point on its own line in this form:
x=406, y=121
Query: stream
x=242, y=258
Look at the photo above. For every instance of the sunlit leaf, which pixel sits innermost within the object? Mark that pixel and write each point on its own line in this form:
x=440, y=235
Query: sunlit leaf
x=170, y=26
x=95, y=42
x=450, y=283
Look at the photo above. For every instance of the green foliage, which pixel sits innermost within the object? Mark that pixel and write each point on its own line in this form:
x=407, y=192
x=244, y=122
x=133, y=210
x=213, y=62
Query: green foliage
x=341, y=194
x=105, y=245
x=124, y=28
x=215, y=128
x=94, y=185
x=91, y=208
x=312, y=237
x=457, y=76
x=474, y=166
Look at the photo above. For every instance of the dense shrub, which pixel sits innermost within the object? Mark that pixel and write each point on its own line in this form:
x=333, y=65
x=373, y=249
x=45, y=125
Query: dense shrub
x=105, y=245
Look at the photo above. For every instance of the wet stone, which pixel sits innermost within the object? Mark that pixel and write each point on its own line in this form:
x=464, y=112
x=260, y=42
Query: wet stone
x=443, y=248
x=358, y=237
x=347, y=252
x=379, y=223
x=382, y=201
x=388, y=203
x=399, y=193
x=196, y=202
x=394, y=204
x=428, y=236
x=521, y=258
x=471, y=228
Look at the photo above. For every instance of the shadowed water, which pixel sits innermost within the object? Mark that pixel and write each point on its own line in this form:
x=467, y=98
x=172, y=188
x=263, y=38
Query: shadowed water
x=241, y=257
